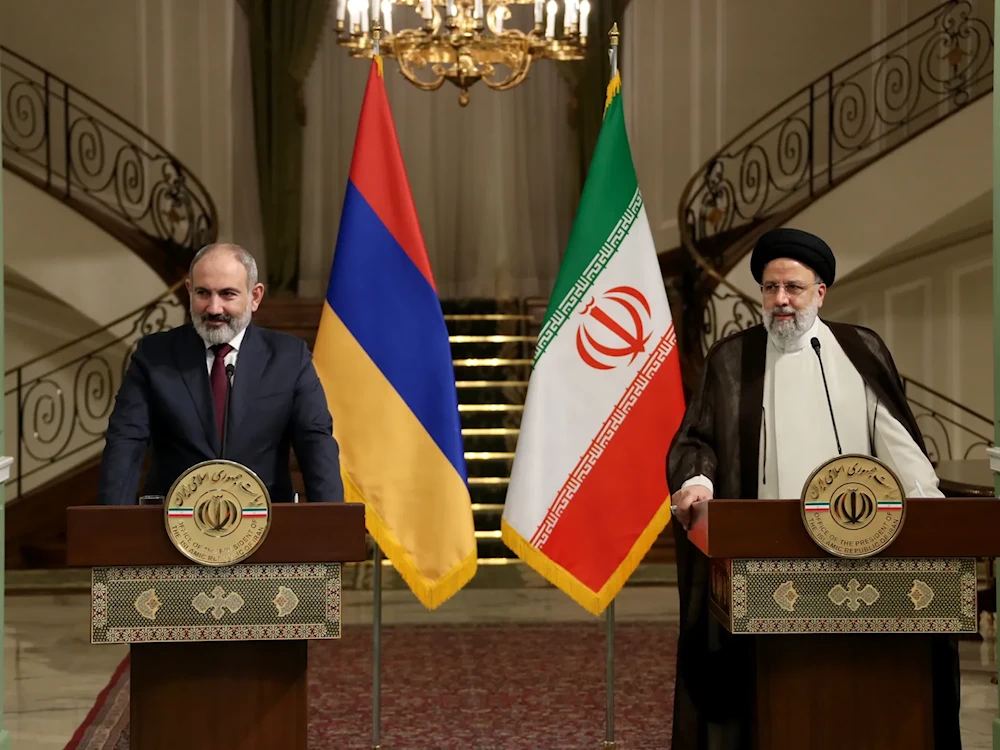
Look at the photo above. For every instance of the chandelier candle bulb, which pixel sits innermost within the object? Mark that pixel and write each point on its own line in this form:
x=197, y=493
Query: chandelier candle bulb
x=539, y=12
x=376, y=6
x=498, y=15
x=478, y=12
x=452, y=10
x=550, y=27
x=341, y=10
x=387, y=16
x=428, y=10
x=569, y=16
x=584, y=18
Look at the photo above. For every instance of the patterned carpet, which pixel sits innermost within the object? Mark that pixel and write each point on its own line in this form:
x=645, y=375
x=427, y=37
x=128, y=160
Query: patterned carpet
x=468, y=687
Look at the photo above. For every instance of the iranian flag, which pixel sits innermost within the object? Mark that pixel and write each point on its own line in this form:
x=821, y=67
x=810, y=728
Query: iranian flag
x=588, y=491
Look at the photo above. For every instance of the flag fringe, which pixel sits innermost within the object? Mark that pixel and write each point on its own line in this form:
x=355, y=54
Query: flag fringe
x=593, y=602
x=614, y=88
x=378, y=62
x=431, y=593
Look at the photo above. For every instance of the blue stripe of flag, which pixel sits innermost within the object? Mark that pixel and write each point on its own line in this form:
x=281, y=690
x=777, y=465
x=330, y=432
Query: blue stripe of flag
x=386, y=303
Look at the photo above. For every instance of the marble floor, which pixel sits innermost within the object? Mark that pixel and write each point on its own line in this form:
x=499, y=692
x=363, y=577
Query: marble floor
x=52, y=674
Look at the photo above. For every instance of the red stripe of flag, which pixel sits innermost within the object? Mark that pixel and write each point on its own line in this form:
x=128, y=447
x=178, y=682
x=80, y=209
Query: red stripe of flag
x=620, y=496
x=376, y=155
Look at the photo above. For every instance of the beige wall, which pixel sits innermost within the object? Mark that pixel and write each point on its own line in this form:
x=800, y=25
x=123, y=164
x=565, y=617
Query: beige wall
x=697, y=72
x=935, y=313
x=35, y=324
x=69, y=257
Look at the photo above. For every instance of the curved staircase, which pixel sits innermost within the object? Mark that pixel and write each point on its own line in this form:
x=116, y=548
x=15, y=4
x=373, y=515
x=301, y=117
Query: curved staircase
x=808, y=146
x=62, y=141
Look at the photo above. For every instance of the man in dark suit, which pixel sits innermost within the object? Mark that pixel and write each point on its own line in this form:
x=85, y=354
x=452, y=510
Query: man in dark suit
x=174, y=392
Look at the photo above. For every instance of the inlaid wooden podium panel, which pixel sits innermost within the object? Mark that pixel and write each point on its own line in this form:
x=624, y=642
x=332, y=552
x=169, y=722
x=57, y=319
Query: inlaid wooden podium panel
x=218, y=653
x=844, y=647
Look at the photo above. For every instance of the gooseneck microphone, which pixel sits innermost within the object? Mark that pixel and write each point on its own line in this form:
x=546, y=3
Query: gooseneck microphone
x=815, y=346
x=230, y=369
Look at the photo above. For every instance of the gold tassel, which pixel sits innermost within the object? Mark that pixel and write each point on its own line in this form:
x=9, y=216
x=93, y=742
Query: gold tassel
x=614, y=88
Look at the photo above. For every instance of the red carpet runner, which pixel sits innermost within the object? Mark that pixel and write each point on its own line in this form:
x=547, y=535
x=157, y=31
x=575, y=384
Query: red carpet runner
x=469, y=687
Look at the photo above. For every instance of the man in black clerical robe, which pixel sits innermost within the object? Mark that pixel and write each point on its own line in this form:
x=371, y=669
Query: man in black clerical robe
x=720, y=439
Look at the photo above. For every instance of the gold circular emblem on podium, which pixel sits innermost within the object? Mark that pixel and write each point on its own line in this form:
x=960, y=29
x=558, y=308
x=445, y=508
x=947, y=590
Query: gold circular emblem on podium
x=853, y=506
x=217, y=512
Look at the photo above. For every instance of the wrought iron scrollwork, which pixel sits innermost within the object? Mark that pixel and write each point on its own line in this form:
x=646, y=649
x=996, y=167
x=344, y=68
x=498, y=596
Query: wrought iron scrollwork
x=54, y=134
x=842, y=121
x=808, y=144
x=726, y=313
x=62, y=401
x=58, y=138
x=815, y=139
x=950, y=430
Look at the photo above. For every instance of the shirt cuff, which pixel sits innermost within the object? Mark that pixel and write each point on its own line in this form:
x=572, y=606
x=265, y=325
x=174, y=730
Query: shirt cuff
x=702, y=481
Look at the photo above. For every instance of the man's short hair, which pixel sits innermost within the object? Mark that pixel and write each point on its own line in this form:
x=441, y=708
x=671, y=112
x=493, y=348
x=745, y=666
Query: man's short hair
x=241, y=254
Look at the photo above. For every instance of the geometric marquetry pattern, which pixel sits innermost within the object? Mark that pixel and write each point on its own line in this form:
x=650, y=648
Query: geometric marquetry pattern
x=831, y=595
x=200, y=603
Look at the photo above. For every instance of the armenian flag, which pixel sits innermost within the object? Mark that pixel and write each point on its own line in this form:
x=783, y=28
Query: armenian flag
x=383, y=356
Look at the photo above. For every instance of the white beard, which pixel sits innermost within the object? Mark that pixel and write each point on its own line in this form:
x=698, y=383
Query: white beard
x=223, y=334
x=790, y=329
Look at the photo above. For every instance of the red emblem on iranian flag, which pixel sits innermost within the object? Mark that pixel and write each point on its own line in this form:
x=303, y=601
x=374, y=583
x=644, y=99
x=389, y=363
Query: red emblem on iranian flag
x=612, y=332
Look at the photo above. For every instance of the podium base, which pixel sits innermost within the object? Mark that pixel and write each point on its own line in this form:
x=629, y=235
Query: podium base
x=244, y=695
x=828, y=692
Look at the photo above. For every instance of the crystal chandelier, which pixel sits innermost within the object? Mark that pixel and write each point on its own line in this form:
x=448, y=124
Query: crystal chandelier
x=449, y=37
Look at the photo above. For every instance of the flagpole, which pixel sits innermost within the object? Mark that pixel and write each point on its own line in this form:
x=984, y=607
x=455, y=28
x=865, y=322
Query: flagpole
x=377, y=557
x=609, y=616
x=609, y=721
x=613, y=52
x=377, y=650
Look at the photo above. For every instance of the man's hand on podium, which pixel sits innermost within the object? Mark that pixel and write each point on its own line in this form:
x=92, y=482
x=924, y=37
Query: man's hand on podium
x=684, y=499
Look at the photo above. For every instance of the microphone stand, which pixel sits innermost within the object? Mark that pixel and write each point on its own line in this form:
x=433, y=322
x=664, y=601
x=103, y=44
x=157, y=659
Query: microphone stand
x=836, y=435
x=225, y=414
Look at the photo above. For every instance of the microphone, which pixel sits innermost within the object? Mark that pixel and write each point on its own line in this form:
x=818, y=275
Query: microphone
x=225, y=414
x=836, y=435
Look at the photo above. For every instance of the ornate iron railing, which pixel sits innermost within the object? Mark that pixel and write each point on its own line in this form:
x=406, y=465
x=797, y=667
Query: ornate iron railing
x=80, y=151
x=58, y=405
x=813, y=141
x=63, y=141
x=820, y=136
x=951, y=431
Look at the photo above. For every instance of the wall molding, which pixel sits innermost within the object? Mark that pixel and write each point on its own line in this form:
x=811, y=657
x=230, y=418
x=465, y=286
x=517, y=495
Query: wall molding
x=955, y=301
x=922, y=284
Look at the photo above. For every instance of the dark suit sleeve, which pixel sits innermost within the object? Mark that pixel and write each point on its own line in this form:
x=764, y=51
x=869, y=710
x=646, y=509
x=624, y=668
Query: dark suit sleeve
x=127, y=436
x=693, y=450
x=312, y=436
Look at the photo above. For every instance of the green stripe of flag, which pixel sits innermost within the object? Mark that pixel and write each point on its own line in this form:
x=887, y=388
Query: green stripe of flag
x=608, y=208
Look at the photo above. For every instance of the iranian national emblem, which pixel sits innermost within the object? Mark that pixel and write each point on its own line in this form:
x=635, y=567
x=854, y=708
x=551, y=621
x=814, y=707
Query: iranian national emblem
x=614, y=330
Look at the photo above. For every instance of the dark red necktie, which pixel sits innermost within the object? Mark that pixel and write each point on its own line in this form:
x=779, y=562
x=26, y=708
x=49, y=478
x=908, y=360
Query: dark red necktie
x=219, y=384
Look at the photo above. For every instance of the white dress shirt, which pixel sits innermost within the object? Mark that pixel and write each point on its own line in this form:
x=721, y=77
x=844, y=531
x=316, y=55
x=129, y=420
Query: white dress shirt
x=230, y=358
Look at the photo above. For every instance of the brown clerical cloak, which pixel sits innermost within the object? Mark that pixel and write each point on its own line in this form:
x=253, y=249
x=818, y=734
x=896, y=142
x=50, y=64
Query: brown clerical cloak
x=720, y=438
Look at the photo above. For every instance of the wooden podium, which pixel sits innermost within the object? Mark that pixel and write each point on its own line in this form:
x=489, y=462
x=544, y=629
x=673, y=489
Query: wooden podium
x=843, y=646
x=218, y=654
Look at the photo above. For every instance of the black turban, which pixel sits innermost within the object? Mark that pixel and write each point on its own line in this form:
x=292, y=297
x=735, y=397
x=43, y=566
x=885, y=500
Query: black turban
x=797, y=245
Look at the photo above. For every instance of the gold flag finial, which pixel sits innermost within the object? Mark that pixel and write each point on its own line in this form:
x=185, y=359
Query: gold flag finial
x=614, y=34
x=376, y=36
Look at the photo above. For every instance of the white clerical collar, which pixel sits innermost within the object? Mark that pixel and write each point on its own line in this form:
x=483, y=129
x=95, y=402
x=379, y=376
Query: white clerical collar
x=235, y=343
x=787, y=346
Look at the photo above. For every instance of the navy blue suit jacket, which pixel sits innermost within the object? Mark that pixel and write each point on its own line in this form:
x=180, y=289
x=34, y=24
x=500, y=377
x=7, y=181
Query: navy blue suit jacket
x=165, y=401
